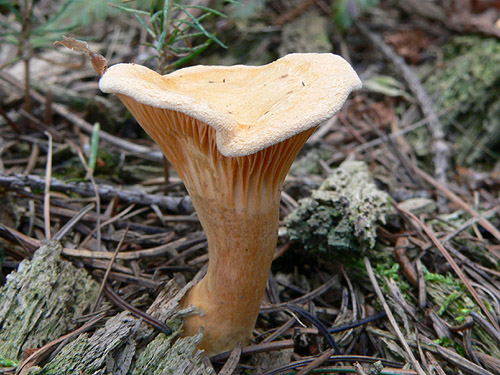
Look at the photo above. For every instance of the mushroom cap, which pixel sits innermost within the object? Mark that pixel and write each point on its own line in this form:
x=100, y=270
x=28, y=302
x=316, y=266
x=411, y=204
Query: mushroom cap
x=250, y=107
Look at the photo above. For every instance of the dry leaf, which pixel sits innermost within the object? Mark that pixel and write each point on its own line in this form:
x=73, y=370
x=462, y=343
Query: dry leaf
x=98, y=61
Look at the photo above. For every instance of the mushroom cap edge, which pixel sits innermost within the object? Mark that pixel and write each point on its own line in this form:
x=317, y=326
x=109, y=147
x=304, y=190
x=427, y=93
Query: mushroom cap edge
x=330, y=80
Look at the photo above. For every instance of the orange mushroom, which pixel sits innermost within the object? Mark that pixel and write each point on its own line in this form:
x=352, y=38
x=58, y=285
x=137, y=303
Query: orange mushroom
x=232, y=133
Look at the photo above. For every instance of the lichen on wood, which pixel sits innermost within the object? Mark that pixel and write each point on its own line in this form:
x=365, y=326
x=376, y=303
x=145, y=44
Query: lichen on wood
x=41, y=300
x=308, y=163
x=342, y=214
x=167, y=356
x=172, y=355
x=109, y=350
x=126, y=345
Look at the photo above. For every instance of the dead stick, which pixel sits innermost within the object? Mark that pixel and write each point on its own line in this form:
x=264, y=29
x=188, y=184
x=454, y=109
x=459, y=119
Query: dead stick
x=46, y=199
x=173, y=204
x=231, y=364
x=440, y=149
x=108, y=270
x=314, y=364
x=394, y=325
x=459, y=202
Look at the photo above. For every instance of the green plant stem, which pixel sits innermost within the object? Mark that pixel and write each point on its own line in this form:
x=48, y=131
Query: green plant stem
x=25, y=49
x=163, y=45
x=27, y=86
x=94, y=147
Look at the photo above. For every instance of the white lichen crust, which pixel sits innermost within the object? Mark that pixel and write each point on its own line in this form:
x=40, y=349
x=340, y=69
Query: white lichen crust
x=342, y=214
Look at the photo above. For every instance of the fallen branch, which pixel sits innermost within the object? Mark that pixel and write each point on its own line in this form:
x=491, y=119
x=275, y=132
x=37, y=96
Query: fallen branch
x=179, y=205
x=440, y=149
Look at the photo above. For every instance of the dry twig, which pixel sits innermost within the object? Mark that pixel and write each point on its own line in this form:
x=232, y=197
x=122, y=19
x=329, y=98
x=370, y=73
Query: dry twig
x=46, y=201
x=232, y=362
x=450, y=260
x=173, y=204
x=394, y=324
x=316, y=362
x=108, y=270
x=440, y=149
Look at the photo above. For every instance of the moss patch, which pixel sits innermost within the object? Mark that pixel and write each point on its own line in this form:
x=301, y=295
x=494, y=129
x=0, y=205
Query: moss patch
x=466, y=91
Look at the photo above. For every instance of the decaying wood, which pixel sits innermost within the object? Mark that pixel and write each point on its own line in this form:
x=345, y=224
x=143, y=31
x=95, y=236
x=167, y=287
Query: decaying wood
x=41, y=354
x=41, y=300
x=118, y=347
x=173, y=204
x=440, y=148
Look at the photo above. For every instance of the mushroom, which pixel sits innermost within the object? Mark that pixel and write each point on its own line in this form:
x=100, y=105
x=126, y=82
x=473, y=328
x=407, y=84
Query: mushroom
x=232, y=133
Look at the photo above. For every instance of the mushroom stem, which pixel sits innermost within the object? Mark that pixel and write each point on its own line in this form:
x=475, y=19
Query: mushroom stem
x=241, y=225
x=241, y=250
x=237, y=201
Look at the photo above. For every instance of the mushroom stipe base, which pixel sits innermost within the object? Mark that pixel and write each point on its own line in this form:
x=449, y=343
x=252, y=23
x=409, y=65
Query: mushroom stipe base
x=241, y=250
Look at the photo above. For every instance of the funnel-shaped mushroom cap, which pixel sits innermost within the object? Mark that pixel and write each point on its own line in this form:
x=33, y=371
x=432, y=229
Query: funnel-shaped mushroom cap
x=250, y=107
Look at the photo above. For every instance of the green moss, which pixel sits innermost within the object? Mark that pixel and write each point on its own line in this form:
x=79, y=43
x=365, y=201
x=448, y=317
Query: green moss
x=454, y=304
x=70, y=167
x=4, y=362
x=388, y=269
x=444, y=279
x=449, y=295
x=110, y=162
x=449, y=343
x=466, y=91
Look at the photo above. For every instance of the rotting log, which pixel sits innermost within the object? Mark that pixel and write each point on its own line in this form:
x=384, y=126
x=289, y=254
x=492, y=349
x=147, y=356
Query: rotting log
x=113, y=349
x=120, y=346
x=40, y=301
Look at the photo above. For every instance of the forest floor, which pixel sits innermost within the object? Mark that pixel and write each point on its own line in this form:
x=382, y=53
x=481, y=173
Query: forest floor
x=407, y=282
